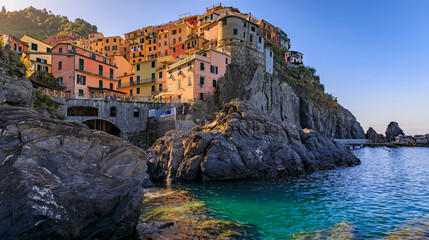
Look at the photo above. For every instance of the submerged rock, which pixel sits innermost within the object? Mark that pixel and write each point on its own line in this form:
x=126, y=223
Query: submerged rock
x=343, y=231
x=243, y=142
x=176, y=214
x=60, y=180
x=392, y=131
x=413, y=229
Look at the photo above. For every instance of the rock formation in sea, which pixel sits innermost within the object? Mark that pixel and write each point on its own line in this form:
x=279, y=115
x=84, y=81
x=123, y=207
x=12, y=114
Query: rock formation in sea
x=392, y=131
x=295, y=96
x=374, y=136
x=59, y=179
x=243, y=142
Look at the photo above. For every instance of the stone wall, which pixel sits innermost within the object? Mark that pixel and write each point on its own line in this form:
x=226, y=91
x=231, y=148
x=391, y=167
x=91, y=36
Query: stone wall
x=124, y=119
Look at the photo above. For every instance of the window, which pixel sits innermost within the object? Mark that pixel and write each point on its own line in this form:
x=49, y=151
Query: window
x=81, y=92
x=60, y=50
x=100, y=83
x=260, y=40
x=112, y=112
x=150, y=48
x=153, y=76
x=153, y=88
x=153, y=64
x=100, y=70
x=92, y=56
x=154, y=48
x=33, y=46
x=81, y=64
x=180, y=30
x=235, y=31
x=81, y=79
x=60, y=65
x=183, y=46
x=114, y=47
x=114, y=40
x=214, y=83
x=189, y=81
x=107, y=40
x=131, y=92
x=160, y=75
x=150, y=41
x=251, y=39
x=138, y=67
x=202, y=66
x=202, y=96
x=138, y=90
x=226, y=60
x=136, y=112
x=131, y=79
x=224, y=21
x=174, y=32
x=213, y=69
x=165, y=43
x=119, y=82
x=154, y=40
x=174, y=50
x=252, y=28
x=160, y=87
x=111, y=73
x=271, y=54
x=48, y=50
x=202, y=81
x=245, y=24
x=138, y=79
x=179, y=84
x=111, y=86
x=180, y=39
x=244, y=34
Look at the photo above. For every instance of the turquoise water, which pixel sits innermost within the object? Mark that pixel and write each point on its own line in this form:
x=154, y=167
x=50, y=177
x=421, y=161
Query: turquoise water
x=386, y=190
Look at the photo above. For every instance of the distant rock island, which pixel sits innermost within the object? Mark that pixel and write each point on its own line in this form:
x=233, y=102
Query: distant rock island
x=396, y=136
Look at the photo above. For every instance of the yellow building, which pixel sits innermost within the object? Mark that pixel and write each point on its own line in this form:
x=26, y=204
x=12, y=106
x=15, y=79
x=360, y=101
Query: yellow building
x=137, y=49
x=151, y=45
x=143, y=83
x=39, y=61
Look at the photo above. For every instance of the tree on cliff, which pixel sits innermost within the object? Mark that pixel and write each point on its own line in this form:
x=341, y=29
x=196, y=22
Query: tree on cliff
x=41, y=24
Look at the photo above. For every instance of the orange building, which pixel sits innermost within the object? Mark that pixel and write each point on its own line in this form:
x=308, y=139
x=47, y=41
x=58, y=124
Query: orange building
x=15, y=43
x=192, y=44
x=115, y=46
x=84, y=73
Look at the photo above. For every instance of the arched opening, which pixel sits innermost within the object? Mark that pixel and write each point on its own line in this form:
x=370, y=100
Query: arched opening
x=82, y=111
x=112, y=111
x=102, y=125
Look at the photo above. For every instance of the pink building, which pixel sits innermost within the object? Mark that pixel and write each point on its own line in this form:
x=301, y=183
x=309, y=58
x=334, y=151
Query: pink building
x=84, y=73
x=293, y=58
x=61, y=38
x=196, y=76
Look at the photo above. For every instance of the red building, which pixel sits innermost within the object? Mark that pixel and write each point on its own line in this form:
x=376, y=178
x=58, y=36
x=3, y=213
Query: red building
x=61, y=38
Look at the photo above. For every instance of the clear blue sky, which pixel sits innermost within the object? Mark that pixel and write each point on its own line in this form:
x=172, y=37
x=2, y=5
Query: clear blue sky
x=371, y=54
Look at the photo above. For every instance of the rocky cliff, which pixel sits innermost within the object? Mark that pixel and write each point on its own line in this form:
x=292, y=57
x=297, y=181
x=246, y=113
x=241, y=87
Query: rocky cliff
x=294, y=95
x=243, y=142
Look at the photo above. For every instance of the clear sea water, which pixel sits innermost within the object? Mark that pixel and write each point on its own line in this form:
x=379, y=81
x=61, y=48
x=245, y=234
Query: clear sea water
x=382, y=193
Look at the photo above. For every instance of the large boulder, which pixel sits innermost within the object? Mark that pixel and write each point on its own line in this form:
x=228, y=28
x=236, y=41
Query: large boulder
x=18, y=93
x=392, y=131
x=374, y=136
x=61, y=180
x=243, y=142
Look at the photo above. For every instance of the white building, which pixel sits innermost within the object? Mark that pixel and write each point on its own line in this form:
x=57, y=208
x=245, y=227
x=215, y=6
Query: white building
x=269, y=60
x=260, y=44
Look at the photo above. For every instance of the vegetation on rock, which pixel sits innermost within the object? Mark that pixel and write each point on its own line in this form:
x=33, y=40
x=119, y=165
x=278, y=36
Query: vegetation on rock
x=45, y=78
x=41, y=24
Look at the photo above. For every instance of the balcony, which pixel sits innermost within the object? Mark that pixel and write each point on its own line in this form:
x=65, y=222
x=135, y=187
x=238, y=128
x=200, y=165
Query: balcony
x=138, y=82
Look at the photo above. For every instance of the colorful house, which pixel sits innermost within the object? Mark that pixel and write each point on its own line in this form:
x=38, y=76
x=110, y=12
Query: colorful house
x=115, y=46
x=61, y=38
x=15, y=43
x=143, y=83
x=36, y=48
x=192, y=44
x=268, y=31
x=196, y=76
x=85, y=73
x=236, y=28
x=293, y=58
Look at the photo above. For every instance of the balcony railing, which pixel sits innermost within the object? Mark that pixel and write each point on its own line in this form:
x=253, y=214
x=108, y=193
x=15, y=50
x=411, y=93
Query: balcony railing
x=138, y=82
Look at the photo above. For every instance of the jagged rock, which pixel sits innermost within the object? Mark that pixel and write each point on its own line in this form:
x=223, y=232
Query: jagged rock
x=18, y=93
x=243, y=142
x=374, y=136
x=392, y=131
x=61, y=180
x=405, y=140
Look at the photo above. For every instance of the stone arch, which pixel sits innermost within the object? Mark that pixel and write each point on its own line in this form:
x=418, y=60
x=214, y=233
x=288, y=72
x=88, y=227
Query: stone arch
x=102, y=125
x=82, y=111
